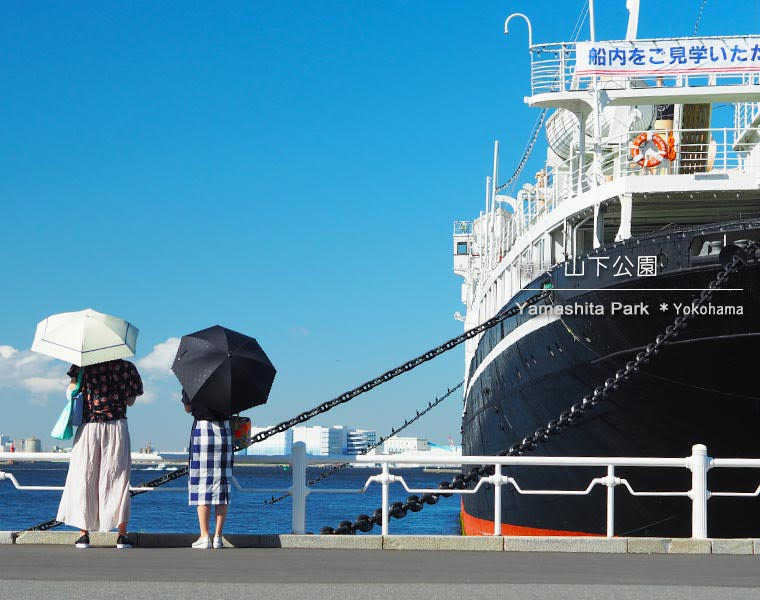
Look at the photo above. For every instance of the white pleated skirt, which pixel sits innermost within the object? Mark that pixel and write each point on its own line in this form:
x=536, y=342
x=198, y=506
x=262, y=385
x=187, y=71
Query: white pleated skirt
x=96, y=496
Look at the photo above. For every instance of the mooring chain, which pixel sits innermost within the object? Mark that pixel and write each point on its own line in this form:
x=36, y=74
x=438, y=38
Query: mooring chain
x=416, y=503
x=335, y=468
x=350, y=395
x=406, y=367
x=45, y=526
x=153, y=483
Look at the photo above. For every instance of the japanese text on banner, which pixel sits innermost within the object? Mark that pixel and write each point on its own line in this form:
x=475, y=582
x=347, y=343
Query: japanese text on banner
x=689, y=55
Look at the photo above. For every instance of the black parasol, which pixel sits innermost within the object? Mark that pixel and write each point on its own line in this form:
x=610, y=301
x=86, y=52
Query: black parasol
x=223, y=370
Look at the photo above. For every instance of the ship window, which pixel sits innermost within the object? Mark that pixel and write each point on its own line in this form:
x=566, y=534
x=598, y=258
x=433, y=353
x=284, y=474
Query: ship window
x=461, y=247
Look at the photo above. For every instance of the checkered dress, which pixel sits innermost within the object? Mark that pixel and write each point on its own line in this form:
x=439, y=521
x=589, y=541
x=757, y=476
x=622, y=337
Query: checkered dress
x=210, y=463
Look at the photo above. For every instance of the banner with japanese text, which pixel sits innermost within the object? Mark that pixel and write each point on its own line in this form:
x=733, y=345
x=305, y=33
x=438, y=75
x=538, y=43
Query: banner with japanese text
x=687, y=56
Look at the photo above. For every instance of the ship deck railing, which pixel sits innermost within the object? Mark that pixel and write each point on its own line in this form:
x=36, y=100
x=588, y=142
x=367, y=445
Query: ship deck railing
x=462, y=227
x=553, y=71
x=725, y=152
x=698, y=463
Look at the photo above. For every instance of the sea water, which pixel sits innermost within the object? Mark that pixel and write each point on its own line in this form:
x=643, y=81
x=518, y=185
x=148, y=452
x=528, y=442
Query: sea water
x=248, y=513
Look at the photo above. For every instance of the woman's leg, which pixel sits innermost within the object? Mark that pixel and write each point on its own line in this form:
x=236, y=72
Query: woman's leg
x=204, y=511
x=224, y=475
x=221, y=515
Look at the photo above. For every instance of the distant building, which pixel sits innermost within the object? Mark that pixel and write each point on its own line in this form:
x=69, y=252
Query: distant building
x=278, y=444
x=358, y=441
x=31, y=444
x=322, y=441
x=4, y=439
x=445, y=449
x=396, y=445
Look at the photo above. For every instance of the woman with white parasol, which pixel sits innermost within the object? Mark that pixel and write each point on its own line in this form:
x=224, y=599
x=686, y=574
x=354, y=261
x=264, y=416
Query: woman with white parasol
x=96, y=495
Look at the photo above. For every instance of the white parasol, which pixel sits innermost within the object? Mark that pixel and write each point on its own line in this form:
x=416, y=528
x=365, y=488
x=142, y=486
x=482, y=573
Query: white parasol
x=85, y=337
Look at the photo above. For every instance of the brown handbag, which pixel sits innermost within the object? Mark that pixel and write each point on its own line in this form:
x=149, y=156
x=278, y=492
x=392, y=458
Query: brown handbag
x=241, y=432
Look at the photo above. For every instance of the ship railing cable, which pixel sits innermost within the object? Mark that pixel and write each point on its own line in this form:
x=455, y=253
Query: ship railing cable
x=580, y=21
x=395, y=431
x=566, y=418
x=699, y=17
x=526, y=153
x=351, y=394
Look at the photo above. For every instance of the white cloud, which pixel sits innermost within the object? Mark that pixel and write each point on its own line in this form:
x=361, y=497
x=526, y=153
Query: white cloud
x=45, y=385
x=148, y=397
x=159, y=383
x=158, y=363
x=37, y=376
x=33, y=373
x=7, y=351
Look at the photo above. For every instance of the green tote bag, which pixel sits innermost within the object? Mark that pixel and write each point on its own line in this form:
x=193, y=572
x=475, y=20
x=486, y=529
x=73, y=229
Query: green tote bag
x=63, y=428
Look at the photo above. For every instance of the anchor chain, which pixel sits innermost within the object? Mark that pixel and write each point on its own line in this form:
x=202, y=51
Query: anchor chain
x=416, y=503
x=406, y=367
x=335, y=468
x=350, y=395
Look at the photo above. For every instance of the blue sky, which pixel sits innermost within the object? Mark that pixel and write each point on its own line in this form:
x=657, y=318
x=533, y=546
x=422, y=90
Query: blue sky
x=290, y=170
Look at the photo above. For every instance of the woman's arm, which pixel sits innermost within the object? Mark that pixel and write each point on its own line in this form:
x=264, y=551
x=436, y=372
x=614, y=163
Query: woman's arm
x=186, y=402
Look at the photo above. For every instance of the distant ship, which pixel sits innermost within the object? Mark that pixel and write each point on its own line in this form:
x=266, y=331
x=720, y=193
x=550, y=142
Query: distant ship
x=640, y=202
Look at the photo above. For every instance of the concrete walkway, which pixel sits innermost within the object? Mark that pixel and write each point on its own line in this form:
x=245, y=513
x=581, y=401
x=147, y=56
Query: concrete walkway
x=46, y=571
x=616, y=545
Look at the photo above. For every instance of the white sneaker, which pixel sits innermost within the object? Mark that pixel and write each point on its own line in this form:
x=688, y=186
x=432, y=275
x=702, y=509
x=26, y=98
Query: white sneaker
x=218, y=542
x=203, y=543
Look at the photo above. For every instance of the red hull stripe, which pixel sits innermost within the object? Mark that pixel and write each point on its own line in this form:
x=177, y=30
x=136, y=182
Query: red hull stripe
x=475, y=526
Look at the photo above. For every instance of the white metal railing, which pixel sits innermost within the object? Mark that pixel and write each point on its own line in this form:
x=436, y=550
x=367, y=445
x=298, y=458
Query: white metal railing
x=553, y=70
x=699, y=463
x=746, y=113
x=727, y=152
x=695, y=151
x=137, y=457
x=552, y=67
x=462, y=227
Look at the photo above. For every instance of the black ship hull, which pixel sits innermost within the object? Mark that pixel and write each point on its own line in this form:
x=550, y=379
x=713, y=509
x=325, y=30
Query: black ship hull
x=702, y=389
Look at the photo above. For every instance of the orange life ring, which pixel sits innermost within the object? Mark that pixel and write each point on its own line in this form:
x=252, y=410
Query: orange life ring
x=671, y=146
x=649, y=160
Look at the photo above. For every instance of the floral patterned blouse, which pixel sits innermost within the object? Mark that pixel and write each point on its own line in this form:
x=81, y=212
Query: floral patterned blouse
x=106, y=387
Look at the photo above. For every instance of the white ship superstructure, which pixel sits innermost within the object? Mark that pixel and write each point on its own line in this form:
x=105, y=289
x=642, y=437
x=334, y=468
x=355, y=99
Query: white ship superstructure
x=630, y=151
x=645, y=194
